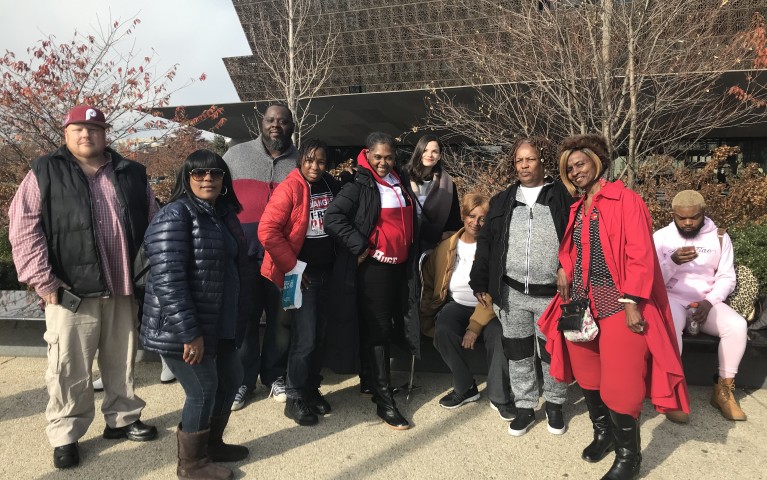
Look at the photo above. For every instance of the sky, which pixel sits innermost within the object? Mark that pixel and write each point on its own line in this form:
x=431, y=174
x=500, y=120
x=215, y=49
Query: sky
x=196, y=34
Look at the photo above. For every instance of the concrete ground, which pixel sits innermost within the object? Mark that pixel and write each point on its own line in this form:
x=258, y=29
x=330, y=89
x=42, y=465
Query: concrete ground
x=350, y=443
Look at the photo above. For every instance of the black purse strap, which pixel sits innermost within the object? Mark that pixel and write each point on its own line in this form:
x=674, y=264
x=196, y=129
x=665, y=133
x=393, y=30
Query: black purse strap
x=587, y=285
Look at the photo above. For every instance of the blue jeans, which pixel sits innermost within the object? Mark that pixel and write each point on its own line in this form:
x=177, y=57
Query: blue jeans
x=270, y=360
x=210, y=386
x=307, y=336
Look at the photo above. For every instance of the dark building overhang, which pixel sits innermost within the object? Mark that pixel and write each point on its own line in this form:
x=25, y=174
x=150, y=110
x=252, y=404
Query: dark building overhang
x=348, y=118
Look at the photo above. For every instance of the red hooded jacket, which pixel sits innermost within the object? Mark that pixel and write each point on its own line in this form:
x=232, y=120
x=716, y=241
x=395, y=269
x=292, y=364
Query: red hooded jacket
x=392, y=235
x=283, y=225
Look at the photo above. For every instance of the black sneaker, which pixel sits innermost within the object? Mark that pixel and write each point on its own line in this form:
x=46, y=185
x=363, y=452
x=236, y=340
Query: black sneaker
x=296, y=409
x=522, y=422
x=317, y=403
x=555, y=419
x=505, y=410
x=455, y=400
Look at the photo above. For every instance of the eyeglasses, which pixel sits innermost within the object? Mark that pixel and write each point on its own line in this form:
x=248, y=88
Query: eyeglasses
x=199, y=174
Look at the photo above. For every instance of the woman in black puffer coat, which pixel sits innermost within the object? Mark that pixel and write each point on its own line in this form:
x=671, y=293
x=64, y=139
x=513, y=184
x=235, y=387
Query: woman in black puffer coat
x=194, y=315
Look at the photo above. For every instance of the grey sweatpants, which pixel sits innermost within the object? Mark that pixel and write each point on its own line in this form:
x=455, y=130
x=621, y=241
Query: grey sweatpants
x=519, y=319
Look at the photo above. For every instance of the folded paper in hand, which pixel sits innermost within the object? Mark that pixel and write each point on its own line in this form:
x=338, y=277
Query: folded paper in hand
x=291, y=291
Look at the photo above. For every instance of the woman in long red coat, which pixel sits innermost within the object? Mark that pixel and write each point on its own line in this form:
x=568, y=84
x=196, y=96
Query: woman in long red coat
x=608, y=258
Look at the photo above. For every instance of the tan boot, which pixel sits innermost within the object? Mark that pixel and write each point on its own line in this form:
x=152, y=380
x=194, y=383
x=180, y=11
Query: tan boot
x=678, y=416
x=723, y=398
x=193, y=460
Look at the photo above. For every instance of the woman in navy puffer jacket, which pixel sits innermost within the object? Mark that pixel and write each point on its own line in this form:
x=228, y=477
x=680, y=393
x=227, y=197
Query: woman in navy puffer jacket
x=192, y=307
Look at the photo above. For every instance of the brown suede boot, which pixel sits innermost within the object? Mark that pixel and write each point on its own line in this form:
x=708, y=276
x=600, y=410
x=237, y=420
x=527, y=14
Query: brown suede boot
x=193, y=461
x=723, y=398
x=678, y=416
x=218, y=451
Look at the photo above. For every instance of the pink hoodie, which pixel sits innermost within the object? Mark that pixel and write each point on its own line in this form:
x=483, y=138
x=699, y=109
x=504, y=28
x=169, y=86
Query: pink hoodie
x=711, y=276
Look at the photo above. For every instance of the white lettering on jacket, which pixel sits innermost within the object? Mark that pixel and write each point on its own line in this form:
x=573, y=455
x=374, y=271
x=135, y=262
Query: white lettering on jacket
x=379, y=255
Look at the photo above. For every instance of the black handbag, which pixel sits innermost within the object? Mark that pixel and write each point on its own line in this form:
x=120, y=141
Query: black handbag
x=576, y=321
x=572, y=315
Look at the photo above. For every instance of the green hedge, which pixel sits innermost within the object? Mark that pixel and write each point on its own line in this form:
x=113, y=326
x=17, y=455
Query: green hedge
x=750, y=245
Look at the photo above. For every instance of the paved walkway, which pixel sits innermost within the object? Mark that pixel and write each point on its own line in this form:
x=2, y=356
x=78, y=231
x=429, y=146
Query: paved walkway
x=470, y=442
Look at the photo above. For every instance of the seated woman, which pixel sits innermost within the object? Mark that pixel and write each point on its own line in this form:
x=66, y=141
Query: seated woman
x=609, y=263
x=436, y=195
x=194, y=315
x=460, y=318
x=373, y=219
x=292, y=230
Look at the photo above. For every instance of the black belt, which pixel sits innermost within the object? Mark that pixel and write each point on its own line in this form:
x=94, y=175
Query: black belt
x=534, y=290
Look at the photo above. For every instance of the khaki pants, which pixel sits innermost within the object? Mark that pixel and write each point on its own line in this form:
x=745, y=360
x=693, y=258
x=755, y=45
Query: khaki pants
x=108, y=325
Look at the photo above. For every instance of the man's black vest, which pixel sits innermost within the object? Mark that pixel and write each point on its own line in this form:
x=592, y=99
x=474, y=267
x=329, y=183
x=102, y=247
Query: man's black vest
x=67, y=217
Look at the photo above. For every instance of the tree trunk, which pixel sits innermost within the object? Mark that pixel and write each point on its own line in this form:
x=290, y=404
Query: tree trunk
x=633, y=114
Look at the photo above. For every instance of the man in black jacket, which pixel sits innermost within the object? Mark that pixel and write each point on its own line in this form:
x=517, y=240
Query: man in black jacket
x=76, y=224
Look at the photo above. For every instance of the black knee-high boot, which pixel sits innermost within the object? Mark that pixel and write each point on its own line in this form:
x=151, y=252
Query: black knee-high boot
x=628, y=456
x=386, y=407
x=599, y=414
x=366, y=383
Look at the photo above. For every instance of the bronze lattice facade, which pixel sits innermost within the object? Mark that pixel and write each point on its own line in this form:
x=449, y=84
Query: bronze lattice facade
x=380, y=47
x=391, y=45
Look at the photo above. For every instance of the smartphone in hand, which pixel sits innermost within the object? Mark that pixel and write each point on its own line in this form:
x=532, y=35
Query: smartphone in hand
x=69, y=300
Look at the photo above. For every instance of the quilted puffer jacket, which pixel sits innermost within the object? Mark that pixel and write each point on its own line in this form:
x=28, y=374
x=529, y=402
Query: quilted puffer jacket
x=185, y=286
x=283, y=225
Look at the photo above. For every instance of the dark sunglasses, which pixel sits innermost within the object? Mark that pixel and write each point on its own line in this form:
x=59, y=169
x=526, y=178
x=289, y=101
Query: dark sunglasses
x=199, y=174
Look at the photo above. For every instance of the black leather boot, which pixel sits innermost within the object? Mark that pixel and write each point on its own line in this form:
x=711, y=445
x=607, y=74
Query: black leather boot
x=604, y=442
x=218, y=451
x=382, y=396
x=628, y=456
x=366, y=383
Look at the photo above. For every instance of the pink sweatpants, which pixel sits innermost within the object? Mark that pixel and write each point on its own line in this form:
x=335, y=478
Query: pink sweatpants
x=722, y=322
x=615, y=363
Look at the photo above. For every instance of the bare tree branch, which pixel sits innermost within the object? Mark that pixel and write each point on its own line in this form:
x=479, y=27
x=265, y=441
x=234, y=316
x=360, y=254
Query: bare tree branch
x=295, y=47
x=650, y=75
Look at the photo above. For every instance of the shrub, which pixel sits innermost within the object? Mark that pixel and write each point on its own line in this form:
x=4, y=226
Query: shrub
x=733, y=200
x=750, y=245
x=8, y=278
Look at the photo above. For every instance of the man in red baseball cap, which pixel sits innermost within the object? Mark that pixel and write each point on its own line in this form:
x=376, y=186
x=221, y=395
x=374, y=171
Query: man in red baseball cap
x=76, y=224
x=86, y=114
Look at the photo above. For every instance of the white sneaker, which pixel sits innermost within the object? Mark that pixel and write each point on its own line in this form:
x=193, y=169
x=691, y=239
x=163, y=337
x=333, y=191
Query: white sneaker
x=240, y=398
x=166, y=376
x=278, y=390
x=98, y=385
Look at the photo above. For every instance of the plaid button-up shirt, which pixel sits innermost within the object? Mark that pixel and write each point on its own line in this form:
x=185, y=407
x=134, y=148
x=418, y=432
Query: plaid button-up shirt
x=30, y=250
